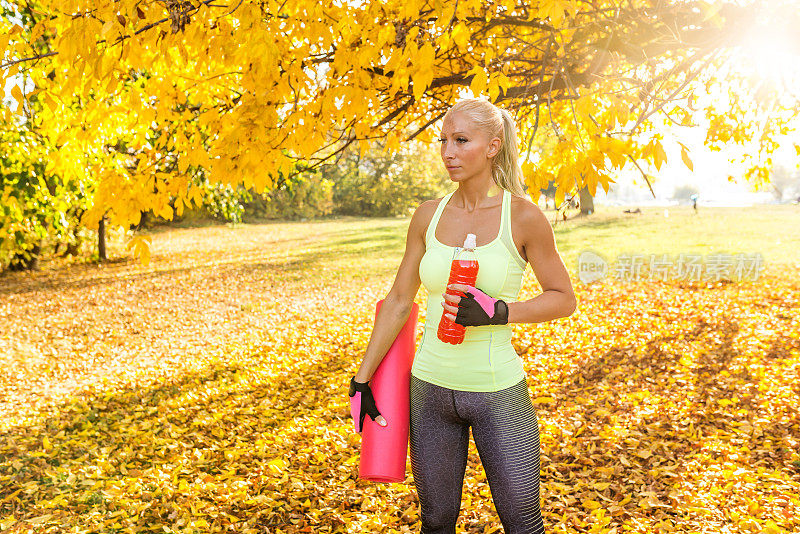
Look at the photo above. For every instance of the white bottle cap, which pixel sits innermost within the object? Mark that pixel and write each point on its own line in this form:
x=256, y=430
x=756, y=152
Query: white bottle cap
x=470, y=241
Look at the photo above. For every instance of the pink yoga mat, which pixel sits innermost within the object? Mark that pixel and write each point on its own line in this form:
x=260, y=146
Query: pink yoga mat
x=384, y=449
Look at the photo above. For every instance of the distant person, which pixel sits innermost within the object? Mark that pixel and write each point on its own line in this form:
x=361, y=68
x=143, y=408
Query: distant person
x=694, y=202
x=481, y=383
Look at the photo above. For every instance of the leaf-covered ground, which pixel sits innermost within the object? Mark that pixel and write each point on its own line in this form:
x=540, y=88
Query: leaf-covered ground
x=207, y=392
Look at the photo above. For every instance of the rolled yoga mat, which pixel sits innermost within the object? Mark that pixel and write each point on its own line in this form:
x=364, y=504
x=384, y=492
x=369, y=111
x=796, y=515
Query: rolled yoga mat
x=384, y=450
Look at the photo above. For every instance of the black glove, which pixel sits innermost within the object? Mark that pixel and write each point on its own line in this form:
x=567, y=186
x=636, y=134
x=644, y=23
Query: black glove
x=361, y=403
x=477, y=308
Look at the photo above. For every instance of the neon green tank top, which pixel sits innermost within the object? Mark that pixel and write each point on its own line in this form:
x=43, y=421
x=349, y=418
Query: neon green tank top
x=485, y=360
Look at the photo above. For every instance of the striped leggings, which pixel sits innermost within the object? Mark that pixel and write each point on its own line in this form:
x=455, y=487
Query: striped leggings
x=506, y=434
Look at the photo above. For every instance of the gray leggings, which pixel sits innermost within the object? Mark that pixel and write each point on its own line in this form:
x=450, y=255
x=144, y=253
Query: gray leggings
x=506, y=434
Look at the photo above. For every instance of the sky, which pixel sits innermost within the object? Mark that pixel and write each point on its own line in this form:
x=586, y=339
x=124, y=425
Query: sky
x=709, y=177
x=771, y=55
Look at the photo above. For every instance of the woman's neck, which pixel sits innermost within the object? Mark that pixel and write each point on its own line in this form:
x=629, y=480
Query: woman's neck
x=473, y=196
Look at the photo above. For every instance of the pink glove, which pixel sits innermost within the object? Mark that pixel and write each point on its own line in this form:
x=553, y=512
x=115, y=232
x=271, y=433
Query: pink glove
x=479, y=309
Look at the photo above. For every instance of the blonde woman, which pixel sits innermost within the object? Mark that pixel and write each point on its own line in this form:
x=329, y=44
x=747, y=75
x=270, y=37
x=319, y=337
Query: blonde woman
x=481, y=383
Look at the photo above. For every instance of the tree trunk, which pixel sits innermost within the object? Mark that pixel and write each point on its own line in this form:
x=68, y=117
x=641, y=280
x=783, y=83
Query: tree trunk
x=587, y=201
x=101, y=239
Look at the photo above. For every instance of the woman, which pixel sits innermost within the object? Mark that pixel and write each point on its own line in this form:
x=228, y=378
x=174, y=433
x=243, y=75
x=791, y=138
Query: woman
x=481, y=382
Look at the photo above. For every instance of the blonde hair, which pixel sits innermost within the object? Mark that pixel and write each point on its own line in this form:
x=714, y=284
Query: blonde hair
x=497, y=122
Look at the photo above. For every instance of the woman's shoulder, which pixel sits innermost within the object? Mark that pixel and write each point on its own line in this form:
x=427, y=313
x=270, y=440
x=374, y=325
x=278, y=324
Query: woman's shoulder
x=522, y=208
x=423, y=214
x=529, y=224
x=426, y=208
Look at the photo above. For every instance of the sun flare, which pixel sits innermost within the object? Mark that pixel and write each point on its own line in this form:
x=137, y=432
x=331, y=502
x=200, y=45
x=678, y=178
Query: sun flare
x=772, y=54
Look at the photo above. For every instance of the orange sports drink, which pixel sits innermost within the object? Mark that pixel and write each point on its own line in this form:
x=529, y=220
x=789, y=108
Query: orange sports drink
x=463, y=270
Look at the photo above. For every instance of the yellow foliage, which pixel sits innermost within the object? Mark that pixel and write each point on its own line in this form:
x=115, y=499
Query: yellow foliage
x=140, y=245
x=246, y=91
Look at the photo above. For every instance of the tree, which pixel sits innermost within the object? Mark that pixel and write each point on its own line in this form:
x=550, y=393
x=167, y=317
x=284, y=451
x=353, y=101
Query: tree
x=386, y=183
x=550, y=192
x=586, y=200
x=784, y=183
x=39, y=208
x=246, y=90
x=684, y=192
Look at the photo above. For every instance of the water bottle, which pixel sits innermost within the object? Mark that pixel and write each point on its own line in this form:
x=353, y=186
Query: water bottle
x=463, y=270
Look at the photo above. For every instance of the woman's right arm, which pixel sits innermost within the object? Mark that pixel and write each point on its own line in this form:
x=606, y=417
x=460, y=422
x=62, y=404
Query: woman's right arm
x=396, y=306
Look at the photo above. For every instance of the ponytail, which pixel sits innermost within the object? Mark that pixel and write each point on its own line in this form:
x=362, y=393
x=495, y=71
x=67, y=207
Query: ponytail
x=506, y=171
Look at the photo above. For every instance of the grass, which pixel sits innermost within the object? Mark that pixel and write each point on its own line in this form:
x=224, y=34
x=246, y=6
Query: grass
x=772, y=231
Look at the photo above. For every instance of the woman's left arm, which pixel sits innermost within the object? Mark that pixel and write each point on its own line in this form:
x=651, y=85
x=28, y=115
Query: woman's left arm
x=557, y=298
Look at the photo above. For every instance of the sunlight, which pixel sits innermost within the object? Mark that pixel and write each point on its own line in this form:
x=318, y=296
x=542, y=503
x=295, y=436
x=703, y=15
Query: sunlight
x=772, y=53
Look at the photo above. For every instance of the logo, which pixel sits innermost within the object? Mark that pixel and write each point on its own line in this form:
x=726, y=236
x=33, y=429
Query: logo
x=591, y=267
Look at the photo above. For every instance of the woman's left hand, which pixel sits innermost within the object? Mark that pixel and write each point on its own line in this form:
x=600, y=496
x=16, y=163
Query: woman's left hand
x=476, y=308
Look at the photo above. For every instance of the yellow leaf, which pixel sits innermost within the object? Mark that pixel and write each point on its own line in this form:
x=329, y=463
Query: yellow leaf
x=46, y=444
x=711, y=12
x=494, y=88
x=543, y=400
x=4, y=39
x=16, y=92
x=686, y=159
x=560, y=194
x=421, y=82
x=166, y=212
x=460, y=36
x=590, y=504
x=659, y=156
x=479, y=81
x=106, y=27
x=141, y=248
x=553, y=9
x=277, y=464
x=39, y=520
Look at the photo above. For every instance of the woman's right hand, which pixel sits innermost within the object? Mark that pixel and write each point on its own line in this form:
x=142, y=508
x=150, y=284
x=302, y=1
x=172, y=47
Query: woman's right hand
x=362, y=403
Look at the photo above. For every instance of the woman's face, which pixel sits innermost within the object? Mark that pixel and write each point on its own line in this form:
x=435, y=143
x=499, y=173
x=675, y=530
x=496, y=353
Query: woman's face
x=466, y=150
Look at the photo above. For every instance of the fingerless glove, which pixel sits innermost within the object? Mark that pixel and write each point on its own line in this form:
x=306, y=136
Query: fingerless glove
x=362, y=403
x=477, y=308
